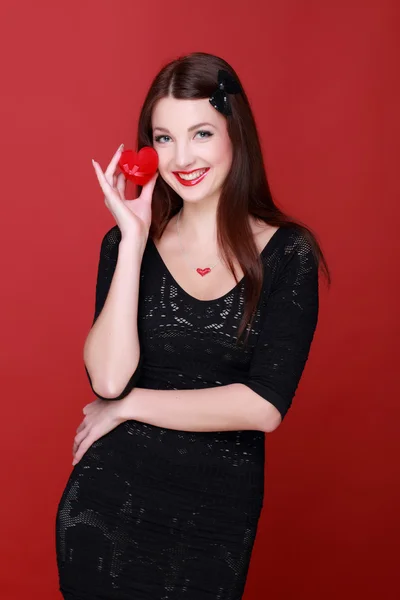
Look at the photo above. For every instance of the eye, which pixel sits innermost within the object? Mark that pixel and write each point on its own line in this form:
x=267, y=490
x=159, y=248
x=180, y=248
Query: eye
x=207, y=133
x=159, y=137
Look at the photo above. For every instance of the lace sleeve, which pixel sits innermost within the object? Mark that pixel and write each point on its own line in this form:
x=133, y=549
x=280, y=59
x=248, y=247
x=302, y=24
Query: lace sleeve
x=288, y=329
x=107, y=263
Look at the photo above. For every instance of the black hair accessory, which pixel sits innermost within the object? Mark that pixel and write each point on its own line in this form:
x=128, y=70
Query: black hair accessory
x=226, y=85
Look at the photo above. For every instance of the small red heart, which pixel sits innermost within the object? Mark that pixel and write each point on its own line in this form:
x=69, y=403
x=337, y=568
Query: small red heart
x=203, y=272
x=139, y=167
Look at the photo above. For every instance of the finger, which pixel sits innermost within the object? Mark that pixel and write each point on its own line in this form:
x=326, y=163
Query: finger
x=75, y=447
x=80, y=437
x=148, y=188
x=121, y=185
x=81, y=450
x=113, y=164
x=81, y=426
x=105, y=186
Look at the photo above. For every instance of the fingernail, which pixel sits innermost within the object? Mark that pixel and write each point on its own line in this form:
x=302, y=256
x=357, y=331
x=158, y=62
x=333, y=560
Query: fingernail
x=93, y=162
x=121, y=146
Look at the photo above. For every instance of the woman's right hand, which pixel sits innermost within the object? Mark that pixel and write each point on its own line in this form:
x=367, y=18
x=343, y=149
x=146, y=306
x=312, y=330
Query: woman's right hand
x=133, y=217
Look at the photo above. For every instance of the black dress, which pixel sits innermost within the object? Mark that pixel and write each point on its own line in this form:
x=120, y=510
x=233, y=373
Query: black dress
x=151, y=513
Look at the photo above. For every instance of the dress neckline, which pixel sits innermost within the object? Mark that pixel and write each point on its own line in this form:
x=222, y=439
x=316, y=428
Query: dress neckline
x=263, y=252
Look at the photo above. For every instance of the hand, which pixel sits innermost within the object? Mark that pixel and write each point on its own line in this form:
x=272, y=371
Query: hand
x=101, y=417
x=133, y=217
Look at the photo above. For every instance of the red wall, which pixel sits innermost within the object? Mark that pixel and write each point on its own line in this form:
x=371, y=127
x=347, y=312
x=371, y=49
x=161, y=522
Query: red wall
x=323, y=80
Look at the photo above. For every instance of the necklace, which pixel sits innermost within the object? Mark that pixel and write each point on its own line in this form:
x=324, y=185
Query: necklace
x=201, y=272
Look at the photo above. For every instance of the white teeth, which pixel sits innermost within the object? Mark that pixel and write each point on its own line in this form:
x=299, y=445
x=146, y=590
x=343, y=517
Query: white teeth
x=192, y=175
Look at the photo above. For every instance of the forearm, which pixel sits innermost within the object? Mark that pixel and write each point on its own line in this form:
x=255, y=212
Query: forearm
x=111, y=349
x=228, y=408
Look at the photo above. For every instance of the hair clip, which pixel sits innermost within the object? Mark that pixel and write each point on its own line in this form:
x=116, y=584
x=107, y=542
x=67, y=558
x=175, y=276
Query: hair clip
x=226, y=85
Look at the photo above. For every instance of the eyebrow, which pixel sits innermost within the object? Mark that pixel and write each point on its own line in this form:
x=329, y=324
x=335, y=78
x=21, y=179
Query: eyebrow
x=190, y=128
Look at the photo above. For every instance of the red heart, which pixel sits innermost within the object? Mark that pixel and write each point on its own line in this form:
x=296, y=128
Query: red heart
x=139, y=167
x=203, y=272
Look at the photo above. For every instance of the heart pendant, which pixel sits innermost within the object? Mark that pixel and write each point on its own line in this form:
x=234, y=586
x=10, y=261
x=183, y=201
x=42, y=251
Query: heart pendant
x=203, y=272
x=139, y=167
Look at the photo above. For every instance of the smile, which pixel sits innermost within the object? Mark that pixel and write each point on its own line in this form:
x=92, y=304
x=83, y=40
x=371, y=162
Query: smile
x=192, y=178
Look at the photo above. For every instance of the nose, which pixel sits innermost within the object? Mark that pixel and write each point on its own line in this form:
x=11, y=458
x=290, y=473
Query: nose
x=183, y=156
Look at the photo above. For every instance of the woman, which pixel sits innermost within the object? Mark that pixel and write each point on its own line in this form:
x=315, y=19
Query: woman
x=206, y=307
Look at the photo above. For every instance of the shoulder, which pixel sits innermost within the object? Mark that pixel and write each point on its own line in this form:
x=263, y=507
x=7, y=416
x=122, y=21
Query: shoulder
x=300, y=248
x=298, y=267
x=290, y=236
x=110, y=242
x=112, y=237
x=109, y=248
x=294, y=240
x=290, y=254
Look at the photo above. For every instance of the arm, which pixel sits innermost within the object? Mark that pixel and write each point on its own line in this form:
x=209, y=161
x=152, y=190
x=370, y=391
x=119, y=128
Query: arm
x=231, y=407
x=288, y=329
x=277, y=364
x=111, y=350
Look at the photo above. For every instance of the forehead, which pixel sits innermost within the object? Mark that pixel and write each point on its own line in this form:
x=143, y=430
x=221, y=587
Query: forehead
x=181, y=114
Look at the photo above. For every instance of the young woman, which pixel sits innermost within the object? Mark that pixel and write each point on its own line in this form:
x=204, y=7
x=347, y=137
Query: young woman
x=206, y=307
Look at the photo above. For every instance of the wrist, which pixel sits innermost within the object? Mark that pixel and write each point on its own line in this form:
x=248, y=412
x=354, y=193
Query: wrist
x=132, y=245
x=126, y=406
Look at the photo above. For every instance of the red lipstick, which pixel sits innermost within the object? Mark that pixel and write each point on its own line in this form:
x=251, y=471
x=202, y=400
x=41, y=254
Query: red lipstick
x=190, y=182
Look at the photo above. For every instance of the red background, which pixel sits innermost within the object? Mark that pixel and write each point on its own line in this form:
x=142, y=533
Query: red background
x=323, y=80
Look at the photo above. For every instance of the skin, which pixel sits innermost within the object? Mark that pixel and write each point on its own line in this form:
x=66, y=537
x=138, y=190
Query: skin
x=187, y=150
x=179, y=149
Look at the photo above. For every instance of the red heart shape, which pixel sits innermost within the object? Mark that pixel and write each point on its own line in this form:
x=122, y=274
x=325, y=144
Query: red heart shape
x=203, y=272
x=139, y=167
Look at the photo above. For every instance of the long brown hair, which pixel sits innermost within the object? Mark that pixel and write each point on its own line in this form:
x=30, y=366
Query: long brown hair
x=245, y=190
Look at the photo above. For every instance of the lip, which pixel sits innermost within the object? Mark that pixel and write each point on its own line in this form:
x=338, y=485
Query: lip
x=193, y=181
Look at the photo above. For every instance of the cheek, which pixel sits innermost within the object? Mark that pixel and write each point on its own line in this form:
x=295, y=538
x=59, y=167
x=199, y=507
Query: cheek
x=223, y=154
x=163, y=162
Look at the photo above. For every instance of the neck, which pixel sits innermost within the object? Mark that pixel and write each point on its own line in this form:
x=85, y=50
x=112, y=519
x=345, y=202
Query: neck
x=197, y=225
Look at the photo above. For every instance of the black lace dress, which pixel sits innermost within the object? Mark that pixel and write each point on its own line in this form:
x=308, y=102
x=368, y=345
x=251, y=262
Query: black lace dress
x=151, y=513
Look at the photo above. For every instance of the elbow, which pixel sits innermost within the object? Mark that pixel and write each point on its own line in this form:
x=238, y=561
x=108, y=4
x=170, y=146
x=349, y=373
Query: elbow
x=100, y=388
x=273, y=419
x=268, y=417
x=107, y=392
x=108, y=389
